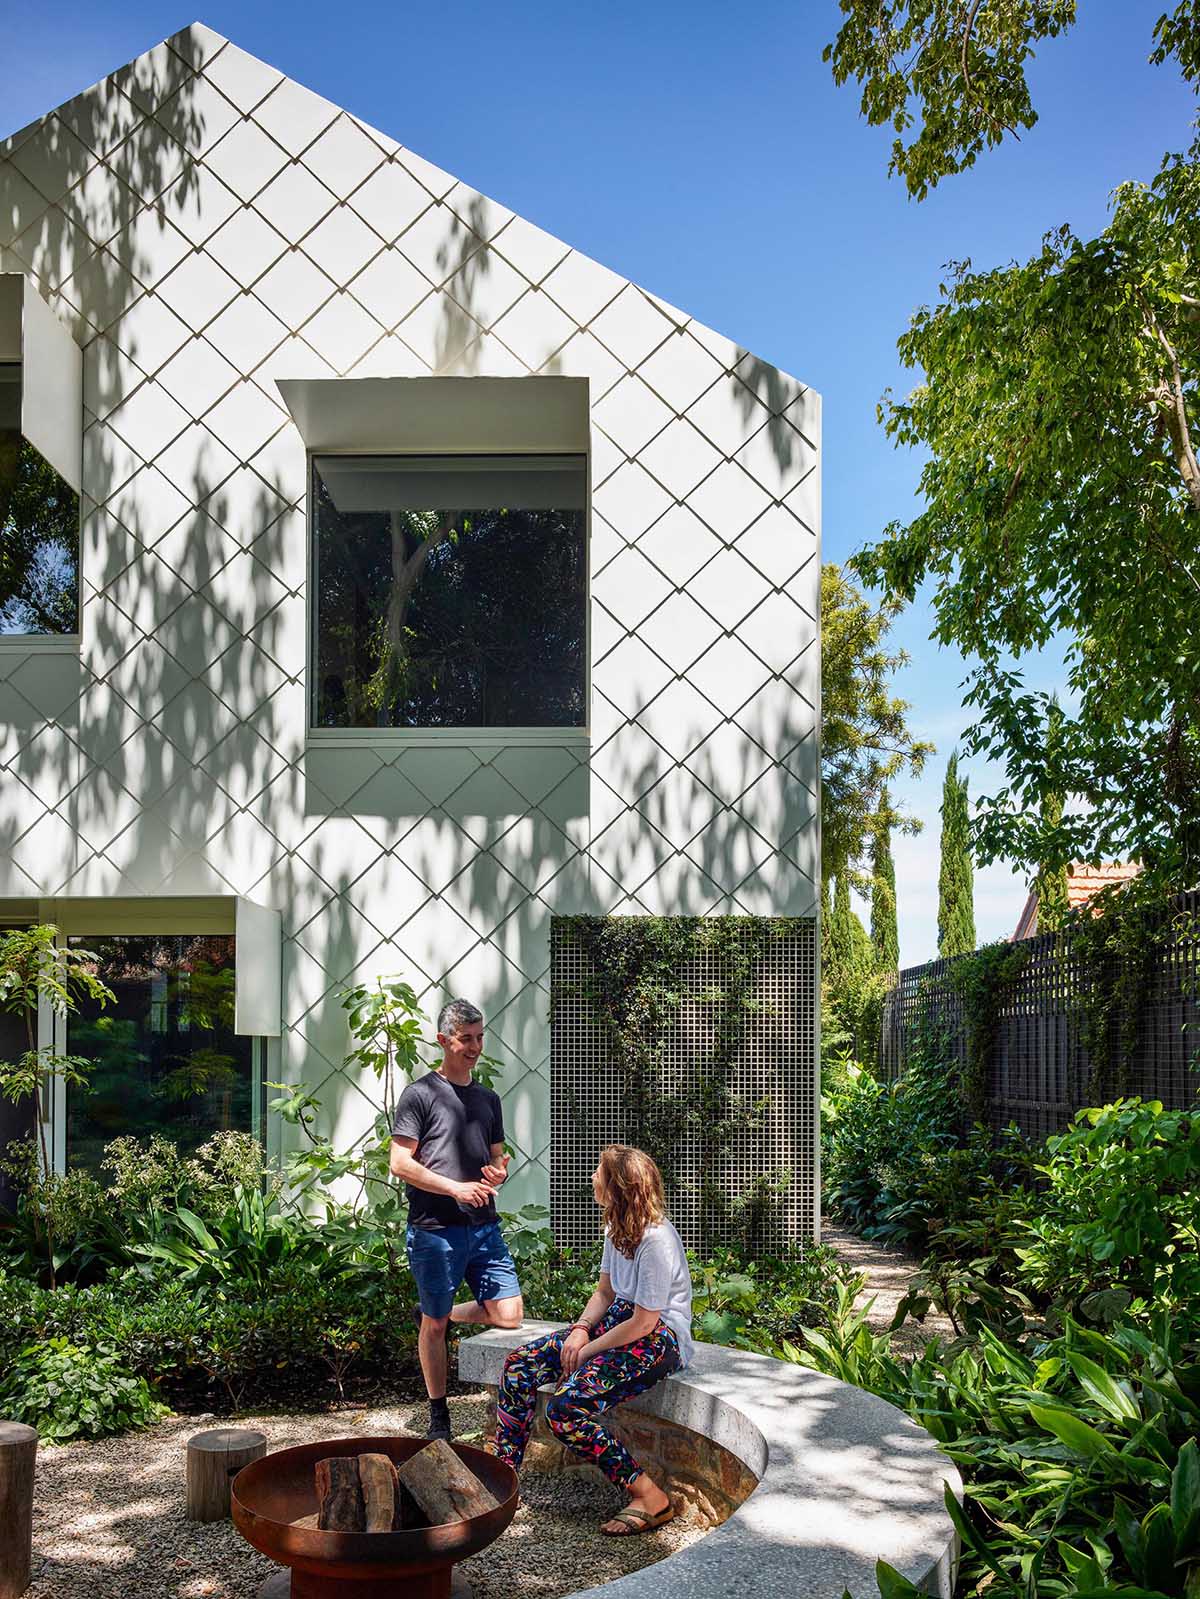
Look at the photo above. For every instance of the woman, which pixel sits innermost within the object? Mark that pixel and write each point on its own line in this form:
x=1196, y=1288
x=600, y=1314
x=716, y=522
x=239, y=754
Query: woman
x=634, y=1331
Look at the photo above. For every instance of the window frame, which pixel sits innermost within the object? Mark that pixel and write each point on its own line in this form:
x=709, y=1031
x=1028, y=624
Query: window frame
x=407, y=737
x=97, y=916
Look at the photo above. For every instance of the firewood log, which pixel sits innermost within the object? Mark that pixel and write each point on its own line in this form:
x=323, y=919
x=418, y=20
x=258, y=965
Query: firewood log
x=443, y=1486
x=339, y=1491
x=378, y=1478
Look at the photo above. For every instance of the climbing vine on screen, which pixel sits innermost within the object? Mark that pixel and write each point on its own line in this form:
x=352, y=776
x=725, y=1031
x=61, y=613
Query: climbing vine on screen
x=637, y=987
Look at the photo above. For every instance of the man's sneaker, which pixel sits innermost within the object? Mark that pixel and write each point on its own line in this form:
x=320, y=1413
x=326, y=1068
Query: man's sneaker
x=439, y=1423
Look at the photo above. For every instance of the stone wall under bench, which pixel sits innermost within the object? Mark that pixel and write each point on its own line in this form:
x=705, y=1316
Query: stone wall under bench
x=701, y=1477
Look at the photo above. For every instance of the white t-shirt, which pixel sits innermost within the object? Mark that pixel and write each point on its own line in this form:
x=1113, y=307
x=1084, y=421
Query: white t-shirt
x=657, y=1278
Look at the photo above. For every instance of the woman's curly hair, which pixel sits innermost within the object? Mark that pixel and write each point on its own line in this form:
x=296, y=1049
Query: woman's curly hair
x=633, y=1196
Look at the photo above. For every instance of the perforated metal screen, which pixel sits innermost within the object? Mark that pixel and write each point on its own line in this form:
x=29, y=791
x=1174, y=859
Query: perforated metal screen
x=775, y=1068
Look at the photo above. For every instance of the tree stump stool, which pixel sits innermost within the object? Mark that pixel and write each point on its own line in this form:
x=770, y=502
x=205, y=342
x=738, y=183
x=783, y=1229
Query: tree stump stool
x=214, y=1459
x=18, y=1453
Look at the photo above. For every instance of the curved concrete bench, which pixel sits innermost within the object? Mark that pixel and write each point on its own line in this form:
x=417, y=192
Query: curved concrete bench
x=844, y=1479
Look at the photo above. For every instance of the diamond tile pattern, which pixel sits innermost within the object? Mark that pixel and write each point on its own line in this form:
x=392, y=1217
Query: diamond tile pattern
x=252, y=231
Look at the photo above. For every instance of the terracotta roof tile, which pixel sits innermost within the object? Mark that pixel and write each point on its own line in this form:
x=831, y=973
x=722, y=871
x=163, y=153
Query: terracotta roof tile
x=1083, y=884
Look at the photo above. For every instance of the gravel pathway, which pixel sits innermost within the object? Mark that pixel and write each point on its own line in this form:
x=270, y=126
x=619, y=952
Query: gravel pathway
x=888, y=1273
x=109, y=1518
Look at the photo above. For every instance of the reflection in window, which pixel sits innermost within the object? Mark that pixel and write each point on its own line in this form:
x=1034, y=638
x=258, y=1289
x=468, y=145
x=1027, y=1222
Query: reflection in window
x=164, y=1055
x=39, y=529
x=451, y=591
x=16, y=1116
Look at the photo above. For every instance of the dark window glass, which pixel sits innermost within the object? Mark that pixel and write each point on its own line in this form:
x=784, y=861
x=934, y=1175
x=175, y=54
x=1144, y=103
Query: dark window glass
x=451, y=591
x=165, y=1058
x=39, y=529
x=16, y=1116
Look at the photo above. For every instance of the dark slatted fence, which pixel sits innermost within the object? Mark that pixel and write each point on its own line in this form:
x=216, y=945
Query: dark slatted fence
x=1039, y=1073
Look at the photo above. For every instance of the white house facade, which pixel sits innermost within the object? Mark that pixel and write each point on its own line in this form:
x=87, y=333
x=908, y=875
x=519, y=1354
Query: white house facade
x=432, y=581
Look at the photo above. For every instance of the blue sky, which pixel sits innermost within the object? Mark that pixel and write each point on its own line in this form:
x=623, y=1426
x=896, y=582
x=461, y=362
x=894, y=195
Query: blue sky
x=703, y=151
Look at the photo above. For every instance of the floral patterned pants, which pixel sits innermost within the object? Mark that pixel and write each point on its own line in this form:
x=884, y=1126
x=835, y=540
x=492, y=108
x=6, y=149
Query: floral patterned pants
x=607, y=1379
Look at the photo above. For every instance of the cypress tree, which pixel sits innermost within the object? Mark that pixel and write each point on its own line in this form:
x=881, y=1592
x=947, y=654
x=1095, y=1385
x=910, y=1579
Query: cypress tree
x=956, y=907
x=885, y=934
x=841, y=938
x=850, y=952
x=1050, y=884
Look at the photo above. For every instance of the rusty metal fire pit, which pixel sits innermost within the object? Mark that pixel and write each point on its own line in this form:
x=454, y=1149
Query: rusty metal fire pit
x=272, y=1494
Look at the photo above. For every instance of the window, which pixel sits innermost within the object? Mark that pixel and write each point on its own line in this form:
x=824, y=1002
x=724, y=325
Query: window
x=451, y=591
x=16, y=1116
x=164, y=1055
x=39, y=529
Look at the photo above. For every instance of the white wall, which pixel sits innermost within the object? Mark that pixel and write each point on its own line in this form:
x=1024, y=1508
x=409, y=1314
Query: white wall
x=167, y=753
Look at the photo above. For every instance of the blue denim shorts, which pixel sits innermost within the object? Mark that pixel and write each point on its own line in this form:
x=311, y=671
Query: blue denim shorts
x=440, y=1261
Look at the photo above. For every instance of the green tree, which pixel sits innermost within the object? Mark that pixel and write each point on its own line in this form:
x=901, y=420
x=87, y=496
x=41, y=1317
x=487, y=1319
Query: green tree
x=1050, y=884
x=885, y=934
x=865, y=739
x=956, y=904
x=852, y=985
x=950, y=74
x=1056, y=407
x=1062, y=504
x=849, y=946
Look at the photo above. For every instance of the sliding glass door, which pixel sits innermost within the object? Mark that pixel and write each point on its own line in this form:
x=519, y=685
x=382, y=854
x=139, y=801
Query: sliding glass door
x=163, y=1055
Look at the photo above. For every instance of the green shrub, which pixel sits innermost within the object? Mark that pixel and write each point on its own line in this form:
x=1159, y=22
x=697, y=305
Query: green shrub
x=757, y=1304
x=72, y=1205
x=884, y=1146
x=98, y=1228
x=67, y=1391
x=249, y=1242
x=296, y=1340
x=556, y=1284
x=1119, y=1212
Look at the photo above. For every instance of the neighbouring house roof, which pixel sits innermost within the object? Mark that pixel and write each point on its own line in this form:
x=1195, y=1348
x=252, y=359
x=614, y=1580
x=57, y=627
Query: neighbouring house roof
x=1083, y=884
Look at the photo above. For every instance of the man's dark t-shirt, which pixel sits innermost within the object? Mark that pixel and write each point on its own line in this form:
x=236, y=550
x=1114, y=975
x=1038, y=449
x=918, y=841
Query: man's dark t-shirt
x=455, y=1128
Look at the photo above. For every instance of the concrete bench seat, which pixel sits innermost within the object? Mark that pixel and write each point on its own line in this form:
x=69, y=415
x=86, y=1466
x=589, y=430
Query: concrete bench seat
x=844, y=1479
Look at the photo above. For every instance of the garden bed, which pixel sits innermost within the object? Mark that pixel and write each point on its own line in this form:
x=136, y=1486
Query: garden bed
x=109, y=1518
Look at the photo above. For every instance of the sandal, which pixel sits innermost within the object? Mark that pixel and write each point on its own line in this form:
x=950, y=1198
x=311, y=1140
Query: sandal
x=639, y=1521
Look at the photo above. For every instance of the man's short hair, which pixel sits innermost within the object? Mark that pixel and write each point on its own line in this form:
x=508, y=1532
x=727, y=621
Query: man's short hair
x=458, y=1013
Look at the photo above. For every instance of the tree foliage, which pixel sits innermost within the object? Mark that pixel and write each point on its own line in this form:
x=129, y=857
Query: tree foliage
x=865, y=739
x=1062, y=501
x=1062, y=489
x=37, y=971
x=949, y=76
x=956, y=895
x=885, y=934
x=852, y=985
x=1050, y=884
x=850, y=950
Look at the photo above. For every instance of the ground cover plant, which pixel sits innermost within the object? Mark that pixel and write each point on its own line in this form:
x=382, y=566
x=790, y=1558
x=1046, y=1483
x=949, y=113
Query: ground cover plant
x=1078, y=1450
x=1070, y=1395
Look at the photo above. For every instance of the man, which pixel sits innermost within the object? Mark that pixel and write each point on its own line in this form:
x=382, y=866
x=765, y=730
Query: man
x=448, y=1147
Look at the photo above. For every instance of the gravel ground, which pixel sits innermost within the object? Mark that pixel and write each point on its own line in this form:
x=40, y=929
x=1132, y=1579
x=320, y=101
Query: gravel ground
x=109, y=1518
x=889, y=1273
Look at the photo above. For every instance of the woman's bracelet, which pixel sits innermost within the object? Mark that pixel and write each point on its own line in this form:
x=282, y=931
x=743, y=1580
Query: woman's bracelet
x=584, y=1326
